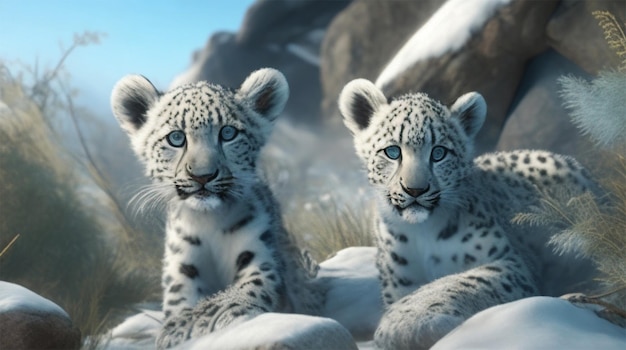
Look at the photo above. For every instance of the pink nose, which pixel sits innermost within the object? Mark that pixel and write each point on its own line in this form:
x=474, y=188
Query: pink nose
x=415, y=192
x=203, y=179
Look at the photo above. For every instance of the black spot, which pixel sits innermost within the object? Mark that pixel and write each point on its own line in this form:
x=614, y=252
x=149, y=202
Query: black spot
x=257, y=282
x=188, y=270
x=398, y=259
x=266, y=299
x=541, y=159
x=176, y=288
x=447, y=232
x=266, y=236
x=175, y=302
x=466, y=238
x=468, y=259
x=557, y=164
x=405, y=282
x=240, y=224
x=480, y=280
x=492, y=251
x=265, y=266
x=244, y=259
x=493, y=268
x=192, y=240
x=402, y=238
x=507, y=287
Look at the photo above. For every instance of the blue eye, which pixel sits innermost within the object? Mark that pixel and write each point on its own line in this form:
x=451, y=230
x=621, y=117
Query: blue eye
x=228, y=133
x=176, y=138
x=438, y=153
x=393, y=152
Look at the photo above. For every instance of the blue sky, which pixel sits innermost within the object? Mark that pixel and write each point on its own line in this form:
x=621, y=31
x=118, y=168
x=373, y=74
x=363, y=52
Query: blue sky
x=154, y=38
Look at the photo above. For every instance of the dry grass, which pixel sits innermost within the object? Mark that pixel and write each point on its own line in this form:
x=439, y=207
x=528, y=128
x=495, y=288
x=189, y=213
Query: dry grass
x=73, y=248
x=325, y=227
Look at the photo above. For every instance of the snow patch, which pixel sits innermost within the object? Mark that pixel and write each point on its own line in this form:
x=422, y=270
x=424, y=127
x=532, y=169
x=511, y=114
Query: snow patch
x=535, y=323
x=447, y=30
x=17, y=298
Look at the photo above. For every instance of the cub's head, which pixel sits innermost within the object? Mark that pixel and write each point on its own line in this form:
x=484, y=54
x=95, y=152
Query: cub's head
x=200, y=142
x=416, y=150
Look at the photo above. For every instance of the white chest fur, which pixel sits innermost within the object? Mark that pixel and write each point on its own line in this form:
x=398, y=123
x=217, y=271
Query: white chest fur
x=212, y=241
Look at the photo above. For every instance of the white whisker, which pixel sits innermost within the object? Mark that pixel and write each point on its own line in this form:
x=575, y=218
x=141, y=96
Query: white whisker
x=152, y=197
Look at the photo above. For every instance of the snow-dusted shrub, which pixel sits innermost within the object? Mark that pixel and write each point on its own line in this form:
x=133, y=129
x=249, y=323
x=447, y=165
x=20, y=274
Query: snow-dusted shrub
x=596, y=228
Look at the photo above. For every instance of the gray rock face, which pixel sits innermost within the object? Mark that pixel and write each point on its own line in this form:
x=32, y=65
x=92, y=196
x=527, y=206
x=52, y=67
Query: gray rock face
x=538, y=119
x=575, y=33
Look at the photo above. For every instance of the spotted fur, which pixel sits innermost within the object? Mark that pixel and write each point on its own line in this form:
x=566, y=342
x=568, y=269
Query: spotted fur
x=446, y=245
x=227, y=256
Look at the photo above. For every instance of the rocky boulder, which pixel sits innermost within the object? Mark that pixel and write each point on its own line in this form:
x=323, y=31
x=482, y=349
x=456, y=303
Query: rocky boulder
x=29, y=321
x=361, y=40
x=281, y=34
x=576, y=34
x=538, y=119
x=491, y=61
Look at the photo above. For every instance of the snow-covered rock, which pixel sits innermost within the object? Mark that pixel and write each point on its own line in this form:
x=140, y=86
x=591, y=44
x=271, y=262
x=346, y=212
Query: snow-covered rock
x=278, y=331
x=535, y=323
x=353, y=297
x=30, y=321
x=479, y=45
x=136, y=332
x=461, y=19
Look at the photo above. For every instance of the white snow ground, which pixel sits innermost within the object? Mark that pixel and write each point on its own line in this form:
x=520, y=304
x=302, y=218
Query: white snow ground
x=447, y=30
x=14, y=297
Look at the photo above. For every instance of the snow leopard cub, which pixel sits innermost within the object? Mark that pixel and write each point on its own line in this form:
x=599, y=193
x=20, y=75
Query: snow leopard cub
x=446, y=245
x=227, y=257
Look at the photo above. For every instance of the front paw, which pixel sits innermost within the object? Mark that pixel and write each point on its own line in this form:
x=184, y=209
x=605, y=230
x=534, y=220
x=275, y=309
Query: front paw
x=212, y=317
x=405, y=331
x=175, y=330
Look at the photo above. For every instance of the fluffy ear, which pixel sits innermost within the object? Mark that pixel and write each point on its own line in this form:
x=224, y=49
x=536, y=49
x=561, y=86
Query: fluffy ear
x=266, y=91
x=358, y=102
x=471, y=110
x=131, y=98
